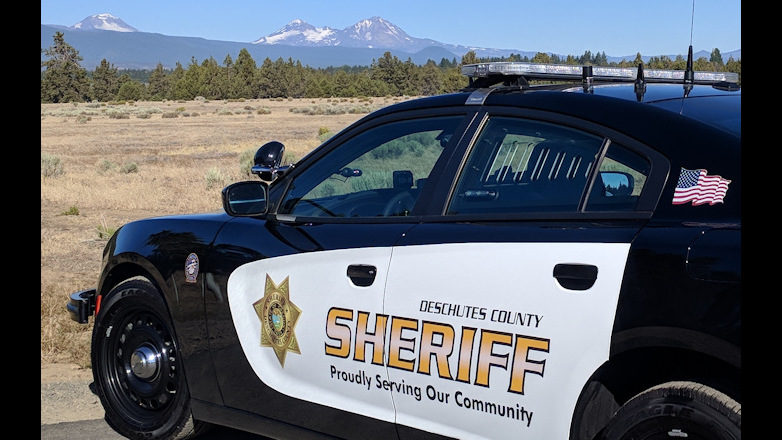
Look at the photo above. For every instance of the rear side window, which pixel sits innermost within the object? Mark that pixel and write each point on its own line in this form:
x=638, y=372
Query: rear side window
x=520, y=165
x=620, y=180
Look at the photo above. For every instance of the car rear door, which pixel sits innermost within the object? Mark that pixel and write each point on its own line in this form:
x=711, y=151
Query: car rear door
x=501, y=304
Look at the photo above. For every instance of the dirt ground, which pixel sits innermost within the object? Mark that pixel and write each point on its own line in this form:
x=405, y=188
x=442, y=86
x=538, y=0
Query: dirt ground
x=65, y=394
x=127, y=161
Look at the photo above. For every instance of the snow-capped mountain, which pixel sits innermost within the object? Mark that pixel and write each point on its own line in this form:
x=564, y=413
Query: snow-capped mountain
x=104, y=22
x=373, y=33
x=300, y=33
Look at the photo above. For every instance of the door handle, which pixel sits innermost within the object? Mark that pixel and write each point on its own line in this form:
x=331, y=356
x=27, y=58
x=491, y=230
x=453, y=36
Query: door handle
x=362, y=275
x=575, y=276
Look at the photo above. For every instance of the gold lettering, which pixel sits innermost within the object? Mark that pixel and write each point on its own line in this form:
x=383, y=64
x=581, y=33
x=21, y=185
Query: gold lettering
x=377, y=339
x=440, y=351
x=338, y=332
x=398, y=343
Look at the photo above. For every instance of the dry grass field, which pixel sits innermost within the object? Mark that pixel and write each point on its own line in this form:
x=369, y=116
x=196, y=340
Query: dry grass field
x=126, y=161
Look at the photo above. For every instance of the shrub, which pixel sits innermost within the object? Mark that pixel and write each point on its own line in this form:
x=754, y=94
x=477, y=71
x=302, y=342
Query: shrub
x=246, y=161
x=51, y=165
x=180, y=101
x=104, y=230
x=199, y=98
x=106, y=165
x=118, y=115
x=323, y=137
x=225, y=112
x=185, y=114
x=249, y=107
x=129, y=167
x=263, y=111
x=73, y=210
x=179, y=109
x=168, y=115
x=145, y=115
x=194, y=114
x=81, y=119
x=214, y=178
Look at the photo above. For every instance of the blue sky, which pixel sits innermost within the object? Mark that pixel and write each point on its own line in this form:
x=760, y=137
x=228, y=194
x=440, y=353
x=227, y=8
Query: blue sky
x=559, y=26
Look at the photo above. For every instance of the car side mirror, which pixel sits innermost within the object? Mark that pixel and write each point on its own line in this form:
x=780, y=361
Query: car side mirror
x=245, y=199
x=267, y=161
x=617, y=183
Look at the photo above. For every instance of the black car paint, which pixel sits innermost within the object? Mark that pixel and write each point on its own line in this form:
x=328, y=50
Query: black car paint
x=662, y=292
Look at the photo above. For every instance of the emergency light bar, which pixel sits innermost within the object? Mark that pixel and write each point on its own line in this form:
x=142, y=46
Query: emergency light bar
x=571, y=72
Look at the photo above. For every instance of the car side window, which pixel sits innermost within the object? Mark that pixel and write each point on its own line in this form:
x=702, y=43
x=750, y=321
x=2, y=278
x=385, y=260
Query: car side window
x=620, y=180
x=377, y=173
x=519, y=165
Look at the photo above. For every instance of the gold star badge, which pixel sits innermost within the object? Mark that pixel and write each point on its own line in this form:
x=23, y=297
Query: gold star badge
x=278, y=317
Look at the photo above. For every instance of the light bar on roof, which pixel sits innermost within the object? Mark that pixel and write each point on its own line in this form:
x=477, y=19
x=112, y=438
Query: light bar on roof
x=567, y=71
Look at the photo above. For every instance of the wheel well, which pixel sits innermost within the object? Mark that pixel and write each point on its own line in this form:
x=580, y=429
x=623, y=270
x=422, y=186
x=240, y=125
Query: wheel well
x=123, y=272
x=633, y=371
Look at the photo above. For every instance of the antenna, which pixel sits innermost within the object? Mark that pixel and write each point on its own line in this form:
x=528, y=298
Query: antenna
x=692, y=20
x=689, y=72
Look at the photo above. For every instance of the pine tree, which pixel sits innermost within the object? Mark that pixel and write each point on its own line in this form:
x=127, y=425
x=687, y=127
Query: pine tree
x=431, y=79
x=716, y=57
x=105, y=82
x=131, y=90
x=734, y=66
x=158, y=83
x=174, y=79
x=453, y=81
x=586, y=59
x=64, y=80
x=541, y=57
x=638, y=59
x=245, y=79
x=470, y=58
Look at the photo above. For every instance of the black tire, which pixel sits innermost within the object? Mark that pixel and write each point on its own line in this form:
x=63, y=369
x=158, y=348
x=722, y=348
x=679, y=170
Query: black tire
x=677, y=410
x=142, y=400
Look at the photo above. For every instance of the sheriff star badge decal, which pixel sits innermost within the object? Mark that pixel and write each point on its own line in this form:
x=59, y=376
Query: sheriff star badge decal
x=278, y=317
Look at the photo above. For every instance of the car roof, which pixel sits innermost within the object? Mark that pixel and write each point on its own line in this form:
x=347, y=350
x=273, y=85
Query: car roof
x=613, y=105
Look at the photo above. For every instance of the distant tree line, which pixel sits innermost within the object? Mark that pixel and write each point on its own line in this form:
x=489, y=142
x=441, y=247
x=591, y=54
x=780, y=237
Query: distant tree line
x=64, y=80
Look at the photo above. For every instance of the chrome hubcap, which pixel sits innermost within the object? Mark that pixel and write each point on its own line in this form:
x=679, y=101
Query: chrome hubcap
x=145, y=362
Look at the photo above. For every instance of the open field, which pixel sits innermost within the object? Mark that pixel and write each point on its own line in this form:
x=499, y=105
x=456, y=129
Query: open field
x=181, y=164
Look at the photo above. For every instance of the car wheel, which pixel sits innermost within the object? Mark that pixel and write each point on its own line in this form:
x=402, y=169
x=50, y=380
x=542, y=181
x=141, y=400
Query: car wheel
x=674, y=410
x=137, y=366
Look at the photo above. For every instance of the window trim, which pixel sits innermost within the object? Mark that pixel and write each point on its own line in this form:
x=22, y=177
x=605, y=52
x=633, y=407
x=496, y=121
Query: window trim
x=648, y=199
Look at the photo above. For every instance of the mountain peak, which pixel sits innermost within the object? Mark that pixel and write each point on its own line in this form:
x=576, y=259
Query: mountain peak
x=373, y=32
x=299, y=33
x=104, y=22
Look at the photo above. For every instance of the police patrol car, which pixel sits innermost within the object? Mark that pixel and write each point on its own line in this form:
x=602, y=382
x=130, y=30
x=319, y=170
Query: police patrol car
x=512, y=261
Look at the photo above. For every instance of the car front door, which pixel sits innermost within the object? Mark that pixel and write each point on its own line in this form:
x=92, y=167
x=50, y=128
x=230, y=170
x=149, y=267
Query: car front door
x=501, y=308
x=308, y=311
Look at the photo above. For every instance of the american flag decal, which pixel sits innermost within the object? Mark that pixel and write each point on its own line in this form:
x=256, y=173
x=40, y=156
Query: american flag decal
x=698, y=187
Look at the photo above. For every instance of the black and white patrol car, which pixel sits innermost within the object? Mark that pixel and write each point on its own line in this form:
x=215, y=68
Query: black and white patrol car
x=513, y=261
